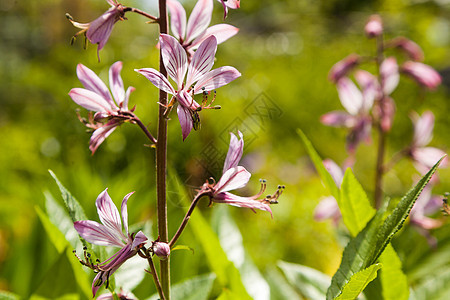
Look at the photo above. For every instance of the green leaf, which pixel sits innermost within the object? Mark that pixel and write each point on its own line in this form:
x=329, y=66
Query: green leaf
x=354, y=205
x=393, y=281
x=434, y=286
x=367, y=246
x=279, y=287
x=227, y=274
x=8, y=296
x=311, y=283
x=317, y=161
x=358, y=282
x=196, y=288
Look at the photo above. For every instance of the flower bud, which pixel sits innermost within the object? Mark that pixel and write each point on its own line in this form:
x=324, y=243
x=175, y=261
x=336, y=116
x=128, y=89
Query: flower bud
x=374, y=27
x=410, y=48
x=343, y=67
x=422, y=73
x=162, y=250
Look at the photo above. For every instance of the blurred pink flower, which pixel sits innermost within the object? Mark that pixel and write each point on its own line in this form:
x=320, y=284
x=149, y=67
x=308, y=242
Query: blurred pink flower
x=343, y=67
x=389, y=75
x=233, y=4
x=424, y=157
x=409, y=47
x=425, y=75
x=192, y=33
x=374, y=27
x=199, y=77
x=96, y=97
x=357, y=104
x=235, y=177
x=99, y=30
x=110, y=233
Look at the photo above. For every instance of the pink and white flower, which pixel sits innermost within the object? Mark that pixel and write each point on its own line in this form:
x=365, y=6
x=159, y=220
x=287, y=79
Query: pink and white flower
x=99, y=30
x=110, y=233
x=199, y=79
x=374, y=27
x=192, y=33
x=235, y=177
x=357, y=104
x=233, y=4
x=423, y=74
x=109, y=110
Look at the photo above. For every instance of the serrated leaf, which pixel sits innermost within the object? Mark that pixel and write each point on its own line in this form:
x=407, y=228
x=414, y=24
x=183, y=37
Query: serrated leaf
x=363, y=250
x=311, y=283
x=317, y=161
x=196, y=288
x=227, y=274
x=358, y=282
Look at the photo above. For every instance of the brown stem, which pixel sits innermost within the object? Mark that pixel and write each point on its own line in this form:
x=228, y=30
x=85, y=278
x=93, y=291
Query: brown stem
x=155, y=276
x=138, y=11
x=161, y=160
x=144, y=128
x=187, y=217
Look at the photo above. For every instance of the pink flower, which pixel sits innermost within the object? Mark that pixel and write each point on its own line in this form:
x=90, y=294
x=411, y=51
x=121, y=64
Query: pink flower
x=110, y=233
x=357, y=104
x=200, y=78
x=374, y=26
x=192, y=33
x=96, y=97
x=99, y=30
x=343, y=67
x=235, y=177
x=162, y=250
x=424, y=75
x=389, y=75
x=424, y=157
x=409, y=47
x=233, y=4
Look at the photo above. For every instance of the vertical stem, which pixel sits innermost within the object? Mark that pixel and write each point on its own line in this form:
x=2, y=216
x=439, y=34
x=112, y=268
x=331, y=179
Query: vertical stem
x=161, y=161
x=379, y=169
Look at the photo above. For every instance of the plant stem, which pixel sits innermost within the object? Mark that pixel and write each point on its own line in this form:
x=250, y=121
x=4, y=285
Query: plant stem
x=161, y=161
x=155, y=277
x=187, y=217
x=138, y=11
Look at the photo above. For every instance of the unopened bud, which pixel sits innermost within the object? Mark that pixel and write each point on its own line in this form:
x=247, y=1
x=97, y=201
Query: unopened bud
x=374, y=27
x=162, y=250
x=410, y=48
x=422, y=73
x=343, y=67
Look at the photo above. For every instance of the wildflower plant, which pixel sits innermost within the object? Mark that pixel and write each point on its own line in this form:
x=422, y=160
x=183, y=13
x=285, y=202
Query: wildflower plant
x=187, y=81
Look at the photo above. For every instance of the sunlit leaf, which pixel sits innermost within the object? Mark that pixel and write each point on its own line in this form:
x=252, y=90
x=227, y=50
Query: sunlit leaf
x=196, y=288
x=434, y=286
x=279, y=287
x=393, y=281
x=358, y=282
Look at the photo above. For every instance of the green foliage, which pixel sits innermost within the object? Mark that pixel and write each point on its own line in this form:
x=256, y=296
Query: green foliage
x=358, y=282
x=195, y=288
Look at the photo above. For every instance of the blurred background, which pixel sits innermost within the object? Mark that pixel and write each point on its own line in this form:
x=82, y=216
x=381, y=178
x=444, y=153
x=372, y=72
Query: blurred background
x=284, y=51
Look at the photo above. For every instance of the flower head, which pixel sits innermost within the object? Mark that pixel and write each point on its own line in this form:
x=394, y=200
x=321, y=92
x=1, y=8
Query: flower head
x=235, y=177
x=410, y=48
x=99, y=30
x=192, y=33
x=199, y=78
x=160, y=249
x=110, y=111
x=374, y=26
x=423, y=74
x=233, y=4
x=110, y=233
x=343, y=67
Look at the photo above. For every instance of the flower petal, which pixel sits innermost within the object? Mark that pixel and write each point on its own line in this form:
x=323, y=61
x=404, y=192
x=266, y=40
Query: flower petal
x=158, y=79
x=216, y=78
x=116, y=83
x=238, y=201
x=235, y=150
x=202, y=61
x=185, y=119
x=350, y=96
x=101, y=134
x=389, y=75
x=174, y=57
x=338, y=118
x=428, y=156
x=139, y=239
x=124, y=211
x=177, y=18
x=423, y=129
x=232, y=179
x=130, y=89
x=334, y=170
x=370, y=88
x=222, y=32
x=97, y=234
x=199, y=19
x=92, y=82
x=90, y=100
x=108, y=213
x=422, y=73
x=327, y=209
x=101, y=28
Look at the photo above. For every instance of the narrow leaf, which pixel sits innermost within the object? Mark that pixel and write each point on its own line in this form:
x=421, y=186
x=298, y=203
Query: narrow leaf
x=393, y=281
x=358, y=282
x=317, y=161
x=196, y=288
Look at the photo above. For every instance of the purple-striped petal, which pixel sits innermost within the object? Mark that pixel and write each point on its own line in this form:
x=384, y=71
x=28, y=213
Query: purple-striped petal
x=108, y=213
x=124, y=211
x=350, y=96
x=238, y=201
x=139, y=239
x=422, y=73
x=90, y=100
x=100, y=134
x=232, y=179
x=370, y=88
x=116, y=82
x=97, y=234
x=127, y=97
x=199, y=19
x=101, y=28
x=202, y=61
x=158, y=79
x=339, y=118
x=235, y=151
x=216, y=78
x=177, y=18
x=185, y=119
x=92, y=82
x=222, y=32
x=174, y=57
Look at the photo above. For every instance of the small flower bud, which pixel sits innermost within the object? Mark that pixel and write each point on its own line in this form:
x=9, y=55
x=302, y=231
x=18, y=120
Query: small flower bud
x=162, y=250
x=410, y=48
x=343, y=67
x=374, y=27
x=422, y=73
